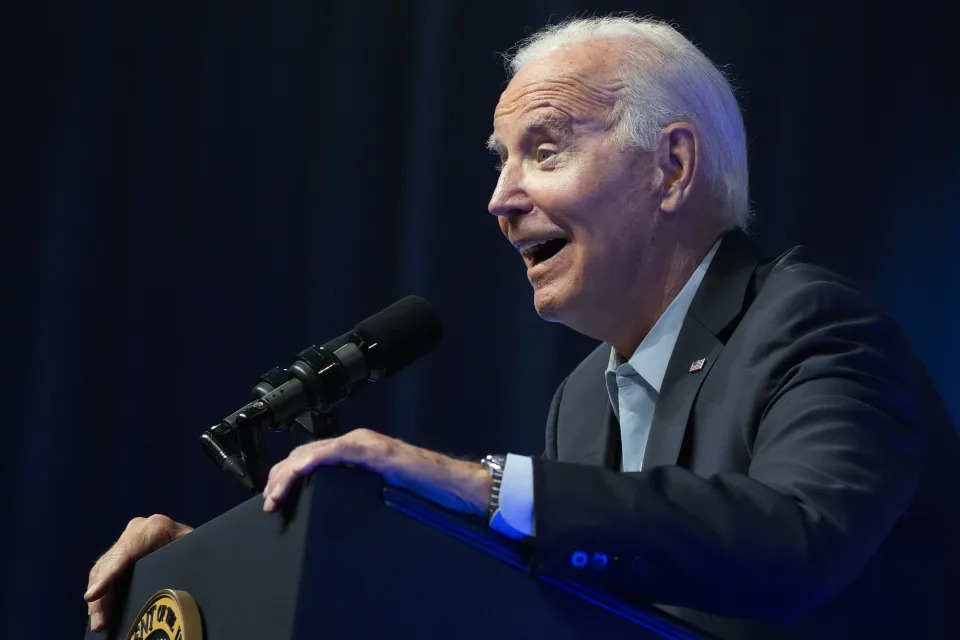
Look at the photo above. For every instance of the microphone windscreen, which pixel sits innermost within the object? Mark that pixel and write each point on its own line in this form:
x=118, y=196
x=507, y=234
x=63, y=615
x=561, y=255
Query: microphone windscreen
x=400, y=334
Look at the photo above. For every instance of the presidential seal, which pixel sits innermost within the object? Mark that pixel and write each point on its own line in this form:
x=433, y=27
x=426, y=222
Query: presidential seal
x=168, y=615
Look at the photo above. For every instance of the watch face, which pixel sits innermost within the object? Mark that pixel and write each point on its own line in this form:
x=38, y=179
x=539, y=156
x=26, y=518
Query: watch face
x=495, y=462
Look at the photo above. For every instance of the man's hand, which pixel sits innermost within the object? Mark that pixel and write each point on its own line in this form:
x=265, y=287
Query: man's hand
x=141, y=536
x=456, y=484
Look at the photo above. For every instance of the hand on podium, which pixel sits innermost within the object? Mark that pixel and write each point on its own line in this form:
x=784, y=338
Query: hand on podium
x=456, y=484
x=460, y=485
x=142, y=536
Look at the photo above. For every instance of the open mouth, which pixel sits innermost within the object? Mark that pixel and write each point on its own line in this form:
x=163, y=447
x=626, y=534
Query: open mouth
x=543, y=251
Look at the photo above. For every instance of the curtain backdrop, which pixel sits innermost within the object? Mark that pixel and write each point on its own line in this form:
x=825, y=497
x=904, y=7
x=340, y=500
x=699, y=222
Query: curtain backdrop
x=200, y=189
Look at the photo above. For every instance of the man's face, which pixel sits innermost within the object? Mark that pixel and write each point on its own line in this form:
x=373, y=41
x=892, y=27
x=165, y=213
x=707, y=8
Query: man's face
x=575, y=203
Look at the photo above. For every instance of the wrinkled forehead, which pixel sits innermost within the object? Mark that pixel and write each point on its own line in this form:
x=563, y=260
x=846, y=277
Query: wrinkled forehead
x=580, y=82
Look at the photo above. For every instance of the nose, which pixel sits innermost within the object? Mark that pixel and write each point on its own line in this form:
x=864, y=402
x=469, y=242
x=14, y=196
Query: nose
x=509, y=198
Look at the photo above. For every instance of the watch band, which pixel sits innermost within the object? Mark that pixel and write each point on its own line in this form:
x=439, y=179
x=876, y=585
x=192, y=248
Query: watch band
x=496, y=464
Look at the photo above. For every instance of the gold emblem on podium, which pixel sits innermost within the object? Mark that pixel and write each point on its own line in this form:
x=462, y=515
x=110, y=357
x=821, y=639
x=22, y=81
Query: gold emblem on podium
x=168, y=615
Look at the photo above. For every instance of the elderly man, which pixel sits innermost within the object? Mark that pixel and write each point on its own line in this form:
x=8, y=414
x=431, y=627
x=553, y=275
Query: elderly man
x=753, y=447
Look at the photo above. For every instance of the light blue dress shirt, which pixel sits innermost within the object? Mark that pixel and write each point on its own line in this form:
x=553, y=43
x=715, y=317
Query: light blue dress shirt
x=634, y=388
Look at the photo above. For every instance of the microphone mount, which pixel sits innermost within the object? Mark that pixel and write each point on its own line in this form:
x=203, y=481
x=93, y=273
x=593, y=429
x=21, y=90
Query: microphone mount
x=236, y=444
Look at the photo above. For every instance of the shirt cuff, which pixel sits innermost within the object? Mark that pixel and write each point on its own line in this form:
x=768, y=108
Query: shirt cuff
x=514, y=518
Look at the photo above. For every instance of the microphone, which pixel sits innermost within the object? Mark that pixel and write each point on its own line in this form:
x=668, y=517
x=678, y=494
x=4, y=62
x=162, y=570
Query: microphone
x=319, y=380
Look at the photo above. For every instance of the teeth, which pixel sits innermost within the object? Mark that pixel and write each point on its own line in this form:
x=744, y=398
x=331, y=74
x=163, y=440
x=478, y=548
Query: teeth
x=530, y=245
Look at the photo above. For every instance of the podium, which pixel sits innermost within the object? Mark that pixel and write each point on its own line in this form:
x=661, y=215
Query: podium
x=347, y=557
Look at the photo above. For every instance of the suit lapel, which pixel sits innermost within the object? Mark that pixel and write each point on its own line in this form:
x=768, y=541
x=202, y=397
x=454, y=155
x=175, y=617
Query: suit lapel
x=586, y=406
x=719, y=302
x=679, y=389
x=613, y=450
x=601, y=447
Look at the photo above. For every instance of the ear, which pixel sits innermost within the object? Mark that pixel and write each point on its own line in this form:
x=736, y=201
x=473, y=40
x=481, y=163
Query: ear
x=676, y=157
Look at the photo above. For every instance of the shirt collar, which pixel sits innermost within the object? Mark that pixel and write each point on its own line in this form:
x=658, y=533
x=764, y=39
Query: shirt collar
x=652, y=356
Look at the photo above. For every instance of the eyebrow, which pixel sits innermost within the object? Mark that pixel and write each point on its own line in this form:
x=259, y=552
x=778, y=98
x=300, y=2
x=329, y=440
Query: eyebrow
x=545, y=123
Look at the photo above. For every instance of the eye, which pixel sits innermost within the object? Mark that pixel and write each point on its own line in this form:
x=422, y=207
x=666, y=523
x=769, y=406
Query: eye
x=545, y=154
x=498, y=167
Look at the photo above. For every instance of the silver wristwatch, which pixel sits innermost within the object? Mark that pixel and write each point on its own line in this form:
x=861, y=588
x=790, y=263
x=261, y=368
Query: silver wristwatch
x=496, y=465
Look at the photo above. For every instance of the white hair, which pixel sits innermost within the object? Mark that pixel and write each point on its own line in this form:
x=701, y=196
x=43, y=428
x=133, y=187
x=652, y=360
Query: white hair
x=667, y=79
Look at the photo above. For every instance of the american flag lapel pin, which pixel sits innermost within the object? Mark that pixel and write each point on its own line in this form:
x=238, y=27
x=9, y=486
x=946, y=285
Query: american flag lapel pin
x=697, y=365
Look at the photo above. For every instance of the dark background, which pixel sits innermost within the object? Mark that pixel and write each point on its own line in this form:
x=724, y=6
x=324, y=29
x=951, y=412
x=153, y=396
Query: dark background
x=201, y=189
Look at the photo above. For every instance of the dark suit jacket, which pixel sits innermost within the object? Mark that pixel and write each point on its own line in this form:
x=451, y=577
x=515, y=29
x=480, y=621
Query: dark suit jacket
x=803, y=483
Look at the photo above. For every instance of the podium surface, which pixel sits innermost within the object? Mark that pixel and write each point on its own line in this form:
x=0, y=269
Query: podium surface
x=346, y=557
